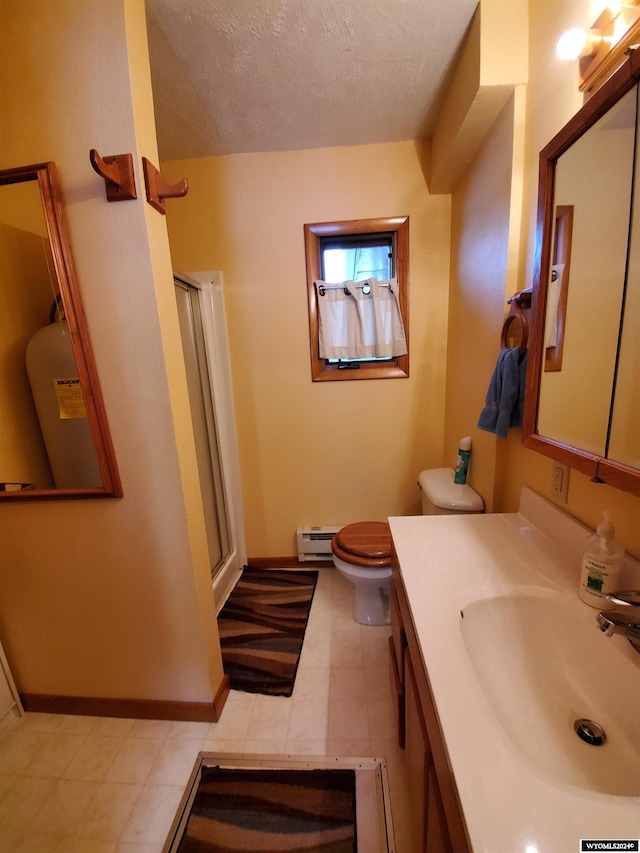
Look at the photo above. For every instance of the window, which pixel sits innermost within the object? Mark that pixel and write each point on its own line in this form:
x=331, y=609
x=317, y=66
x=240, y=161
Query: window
x=357, y=251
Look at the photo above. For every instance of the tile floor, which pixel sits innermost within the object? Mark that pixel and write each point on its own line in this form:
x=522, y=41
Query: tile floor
x=102, y=785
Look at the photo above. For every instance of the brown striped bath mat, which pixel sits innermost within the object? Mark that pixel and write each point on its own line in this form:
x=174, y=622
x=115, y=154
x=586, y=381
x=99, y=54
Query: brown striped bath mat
x=262, y=627
x=292, y=811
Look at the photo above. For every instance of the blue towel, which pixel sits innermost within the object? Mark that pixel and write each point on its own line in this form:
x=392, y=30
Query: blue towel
x=504, y=402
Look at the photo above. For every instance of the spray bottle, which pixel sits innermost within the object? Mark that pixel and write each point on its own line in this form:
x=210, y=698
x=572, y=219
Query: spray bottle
x=462, y=464
x=601, y=565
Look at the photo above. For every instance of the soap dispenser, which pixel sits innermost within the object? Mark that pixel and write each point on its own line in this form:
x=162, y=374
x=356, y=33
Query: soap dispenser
x=601, y=565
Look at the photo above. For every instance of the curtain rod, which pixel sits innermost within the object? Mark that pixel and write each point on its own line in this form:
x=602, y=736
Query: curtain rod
x=365, y=287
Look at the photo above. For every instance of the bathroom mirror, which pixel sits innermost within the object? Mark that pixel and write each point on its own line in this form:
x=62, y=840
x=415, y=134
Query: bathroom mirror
x=54, y=437
x=582, y=402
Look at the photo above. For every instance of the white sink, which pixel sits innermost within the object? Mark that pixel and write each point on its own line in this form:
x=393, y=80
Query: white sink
x=510, y=678
x=542, y=664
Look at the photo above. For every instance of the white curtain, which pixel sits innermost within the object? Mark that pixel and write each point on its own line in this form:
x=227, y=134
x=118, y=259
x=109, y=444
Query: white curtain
x=360, y=319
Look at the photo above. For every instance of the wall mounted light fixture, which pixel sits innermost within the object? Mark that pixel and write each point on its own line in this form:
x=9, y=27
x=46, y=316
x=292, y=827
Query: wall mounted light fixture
x=602, y=48
x=576, y=43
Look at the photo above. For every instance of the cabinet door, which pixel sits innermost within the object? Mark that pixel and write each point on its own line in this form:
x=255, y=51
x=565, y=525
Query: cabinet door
x=435, y=804
x=397, y=694
x=437, y=834
x=398, y=635
x=418, y=755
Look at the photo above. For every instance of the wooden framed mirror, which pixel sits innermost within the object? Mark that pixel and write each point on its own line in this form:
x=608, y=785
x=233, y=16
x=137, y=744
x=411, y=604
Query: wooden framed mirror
x=54, y=436
x=584, y=410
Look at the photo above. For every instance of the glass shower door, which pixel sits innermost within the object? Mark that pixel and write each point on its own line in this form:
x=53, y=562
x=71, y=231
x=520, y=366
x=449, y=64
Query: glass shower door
x=204, y=425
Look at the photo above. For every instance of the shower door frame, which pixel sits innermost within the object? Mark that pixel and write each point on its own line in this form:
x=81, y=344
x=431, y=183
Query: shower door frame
x=217, y=368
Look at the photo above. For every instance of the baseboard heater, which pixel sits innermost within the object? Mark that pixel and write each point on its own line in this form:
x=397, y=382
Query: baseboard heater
x=314, y=543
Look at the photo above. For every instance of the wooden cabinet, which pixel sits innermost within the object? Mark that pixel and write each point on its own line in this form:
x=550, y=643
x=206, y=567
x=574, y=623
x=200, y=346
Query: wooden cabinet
x=397, y=646
x=398, y=636
x=419, y=760
x=438, y=816
x=437, y=834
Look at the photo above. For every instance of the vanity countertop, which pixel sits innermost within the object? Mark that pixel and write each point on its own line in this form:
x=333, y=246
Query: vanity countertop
x=511, y=801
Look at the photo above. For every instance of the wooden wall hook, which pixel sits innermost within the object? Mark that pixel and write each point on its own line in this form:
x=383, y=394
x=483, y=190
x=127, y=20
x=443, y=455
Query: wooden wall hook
x=158, y=189
x=117, y=171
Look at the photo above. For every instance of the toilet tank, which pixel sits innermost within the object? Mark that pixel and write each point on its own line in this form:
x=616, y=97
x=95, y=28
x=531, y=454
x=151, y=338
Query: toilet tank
x=441, y=496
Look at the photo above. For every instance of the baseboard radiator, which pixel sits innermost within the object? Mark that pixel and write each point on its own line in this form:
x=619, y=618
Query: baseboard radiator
x=314, y=543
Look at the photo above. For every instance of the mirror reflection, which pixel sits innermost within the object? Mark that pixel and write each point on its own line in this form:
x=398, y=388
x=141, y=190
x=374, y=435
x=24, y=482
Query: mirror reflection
x=624, y=439
x=593, y=179
x=53, y=436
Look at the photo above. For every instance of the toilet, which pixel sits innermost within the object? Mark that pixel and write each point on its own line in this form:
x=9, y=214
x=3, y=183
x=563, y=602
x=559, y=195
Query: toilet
x=362, y=554
x=362, y=551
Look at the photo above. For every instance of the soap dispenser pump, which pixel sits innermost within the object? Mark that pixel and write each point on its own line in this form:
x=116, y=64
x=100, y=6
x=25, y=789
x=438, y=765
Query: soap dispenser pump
x=601, y=565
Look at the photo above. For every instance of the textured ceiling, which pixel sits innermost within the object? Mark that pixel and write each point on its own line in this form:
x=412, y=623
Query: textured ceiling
x=237, y=76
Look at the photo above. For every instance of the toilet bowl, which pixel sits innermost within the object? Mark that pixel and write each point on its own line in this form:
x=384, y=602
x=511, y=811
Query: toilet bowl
x=362, y=551
x=362, y=554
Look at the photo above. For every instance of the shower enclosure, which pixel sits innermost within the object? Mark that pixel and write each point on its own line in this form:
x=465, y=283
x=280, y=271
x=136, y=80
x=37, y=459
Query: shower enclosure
x=199, y=297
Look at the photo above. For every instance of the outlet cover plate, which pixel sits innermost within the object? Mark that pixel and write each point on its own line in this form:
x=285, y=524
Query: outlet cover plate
x=560, y=482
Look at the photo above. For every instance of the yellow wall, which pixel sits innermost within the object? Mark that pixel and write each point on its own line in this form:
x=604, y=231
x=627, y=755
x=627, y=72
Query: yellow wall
x=331, y=452
x=479, y=271
x=107, y=598
x=552, y=98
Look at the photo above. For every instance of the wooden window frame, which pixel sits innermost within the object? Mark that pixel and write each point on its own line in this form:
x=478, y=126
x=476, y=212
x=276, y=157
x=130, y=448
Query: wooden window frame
x=398, y=226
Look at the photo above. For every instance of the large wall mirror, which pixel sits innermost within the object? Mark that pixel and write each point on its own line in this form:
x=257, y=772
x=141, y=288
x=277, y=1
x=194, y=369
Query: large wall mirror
x=54, y=437
x=582, y=403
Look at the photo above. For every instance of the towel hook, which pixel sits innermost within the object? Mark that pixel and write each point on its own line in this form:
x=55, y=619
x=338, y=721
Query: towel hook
x=158, y=189
x=117, y=171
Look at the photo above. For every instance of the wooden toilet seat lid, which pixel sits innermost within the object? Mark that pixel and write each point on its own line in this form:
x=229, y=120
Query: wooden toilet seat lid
x=364, y=543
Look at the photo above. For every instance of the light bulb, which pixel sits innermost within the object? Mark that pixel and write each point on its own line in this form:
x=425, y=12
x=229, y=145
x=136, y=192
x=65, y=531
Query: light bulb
x=571, y=44
x=575, y=43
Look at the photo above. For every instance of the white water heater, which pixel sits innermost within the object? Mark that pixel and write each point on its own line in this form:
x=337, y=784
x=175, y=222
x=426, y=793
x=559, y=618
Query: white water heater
x=56, y=390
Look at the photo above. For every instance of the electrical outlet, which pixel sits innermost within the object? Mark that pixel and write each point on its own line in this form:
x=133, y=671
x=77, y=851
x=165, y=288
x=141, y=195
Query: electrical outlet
x=560, y=481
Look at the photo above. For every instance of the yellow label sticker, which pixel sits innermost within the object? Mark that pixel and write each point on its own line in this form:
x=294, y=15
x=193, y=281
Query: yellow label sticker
x=70, y=399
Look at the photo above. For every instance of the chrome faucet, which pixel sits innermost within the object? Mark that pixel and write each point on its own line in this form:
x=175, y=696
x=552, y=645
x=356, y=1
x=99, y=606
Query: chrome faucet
x=625, y=619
